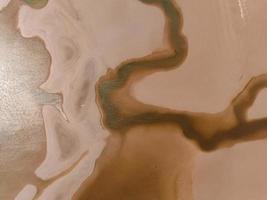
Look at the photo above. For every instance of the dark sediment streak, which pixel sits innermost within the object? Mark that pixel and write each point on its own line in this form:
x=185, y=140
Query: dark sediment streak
x=122, y=113
x=219, y=127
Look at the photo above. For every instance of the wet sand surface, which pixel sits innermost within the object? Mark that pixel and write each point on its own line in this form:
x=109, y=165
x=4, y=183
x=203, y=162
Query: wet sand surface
x=24, y=66
x=136, y=118
x=145, y=164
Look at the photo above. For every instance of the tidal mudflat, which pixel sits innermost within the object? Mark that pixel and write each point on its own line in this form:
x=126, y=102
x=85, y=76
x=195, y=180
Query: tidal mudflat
x=139, y=99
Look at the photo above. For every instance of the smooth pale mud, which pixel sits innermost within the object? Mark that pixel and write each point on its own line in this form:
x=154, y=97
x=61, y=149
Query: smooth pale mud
x=121, y=112
x=103, y=143
x=224, y=49
x=233, y=173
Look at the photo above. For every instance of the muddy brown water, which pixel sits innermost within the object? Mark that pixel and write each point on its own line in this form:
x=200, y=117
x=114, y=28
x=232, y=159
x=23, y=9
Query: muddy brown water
x=150, y=151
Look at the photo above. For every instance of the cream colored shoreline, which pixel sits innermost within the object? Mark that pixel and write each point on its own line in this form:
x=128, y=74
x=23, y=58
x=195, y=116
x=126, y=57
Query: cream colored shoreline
x=82, y=48
x=27, y=193
x=3, y=4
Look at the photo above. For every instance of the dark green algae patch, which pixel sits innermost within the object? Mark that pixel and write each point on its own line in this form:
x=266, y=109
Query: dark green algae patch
x=36, y=3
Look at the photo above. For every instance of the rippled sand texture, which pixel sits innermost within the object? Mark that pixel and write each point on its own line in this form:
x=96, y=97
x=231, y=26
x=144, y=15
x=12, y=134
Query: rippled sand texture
x=150, y=89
